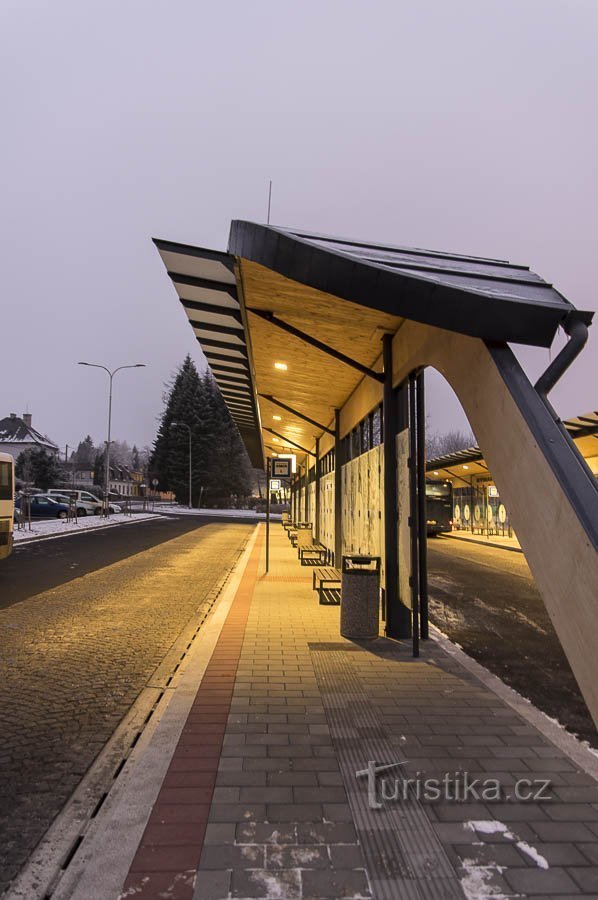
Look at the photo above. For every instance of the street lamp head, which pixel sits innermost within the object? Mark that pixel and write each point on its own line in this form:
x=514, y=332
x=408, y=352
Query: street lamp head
x=83, y=364
x=139, y=366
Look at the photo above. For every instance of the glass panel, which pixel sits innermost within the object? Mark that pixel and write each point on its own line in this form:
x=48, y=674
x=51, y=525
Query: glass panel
x=436, y=489
x=5, y=481
x=377, y=427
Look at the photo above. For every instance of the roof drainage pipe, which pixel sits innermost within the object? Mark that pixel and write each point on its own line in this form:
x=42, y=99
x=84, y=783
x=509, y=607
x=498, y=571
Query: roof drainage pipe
x=578, y=335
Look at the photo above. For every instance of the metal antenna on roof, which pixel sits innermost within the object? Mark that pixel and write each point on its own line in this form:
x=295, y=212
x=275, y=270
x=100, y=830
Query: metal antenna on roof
x=269, y=199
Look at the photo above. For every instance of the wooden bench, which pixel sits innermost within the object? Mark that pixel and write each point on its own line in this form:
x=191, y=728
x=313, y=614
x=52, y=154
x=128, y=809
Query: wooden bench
x=327, y=582
x=312, y=554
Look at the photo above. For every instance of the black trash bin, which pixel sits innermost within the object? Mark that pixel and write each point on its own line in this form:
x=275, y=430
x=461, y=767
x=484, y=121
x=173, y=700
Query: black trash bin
x=360, y=597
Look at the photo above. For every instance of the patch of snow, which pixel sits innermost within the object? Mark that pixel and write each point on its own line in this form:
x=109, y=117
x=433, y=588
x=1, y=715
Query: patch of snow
x=530, y=851
x=175, y=509
x=489, y=826
x=476, y=883
x=59, y=527
x=493, y=826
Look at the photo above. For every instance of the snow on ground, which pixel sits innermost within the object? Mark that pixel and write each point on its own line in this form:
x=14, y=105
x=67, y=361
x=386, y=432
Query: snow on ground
x=59, y=527
x=174, y=509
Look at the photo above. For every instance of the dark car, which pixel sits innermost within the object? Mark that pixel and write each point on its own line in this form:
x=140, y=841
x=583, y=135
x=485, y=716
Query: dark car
x=43, y=507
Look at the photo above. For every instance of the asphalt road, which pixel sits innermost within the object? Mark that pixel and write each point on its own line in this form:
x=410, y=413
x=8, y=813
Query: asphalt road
x=485, y=599
x=46, y=564
x=86, y=623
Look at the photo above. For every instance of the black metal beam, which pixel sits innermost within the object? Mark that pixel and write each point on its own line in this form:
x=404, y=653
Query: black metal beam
x=338, y=492
x=414, y=515
x=233, y=312
x=421, y=504
x=287, y=440
x=220, y=329
x=208, y=343
x=295, y=412
x=223, y=362
x=314, y=342
x=240, y=379
x=193, y=281
x=306, y=498
x=389, y=427
x=317, y=510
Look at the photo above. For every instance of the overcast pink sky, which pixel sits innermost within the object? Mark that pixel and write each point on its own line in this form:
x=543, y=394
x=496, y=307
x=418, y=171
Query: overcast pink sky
x=466, y=126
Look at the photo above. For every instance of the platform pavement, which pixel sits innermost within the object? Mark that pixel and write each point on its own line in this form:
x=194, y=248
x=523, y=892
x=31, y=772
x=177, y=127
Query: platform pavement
x=260, y=796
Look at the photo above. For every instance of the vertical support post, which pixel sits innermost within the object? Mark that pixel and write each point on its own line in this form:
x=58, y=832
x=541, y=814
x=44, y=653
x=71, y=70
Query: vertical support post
x=421, y=504
x=267, y=515
x=414, y=517
x=190, y=473
x=338, y=489
x=317, y=511
x=306, y=487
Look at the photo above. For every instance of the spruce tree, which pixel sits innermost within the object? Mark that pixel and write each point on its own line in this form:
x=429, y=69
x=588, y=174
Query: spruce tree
x=84, y=454
x=170, y=457
x=220, y=467
x=38, y=466
x=135, y=462
x=98, y=469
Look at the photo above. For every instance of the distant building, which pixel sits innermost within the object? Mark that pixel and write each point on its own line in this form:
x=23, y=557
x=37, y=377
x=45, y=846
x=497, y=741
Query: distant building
x=17, y=434
x=125, y=481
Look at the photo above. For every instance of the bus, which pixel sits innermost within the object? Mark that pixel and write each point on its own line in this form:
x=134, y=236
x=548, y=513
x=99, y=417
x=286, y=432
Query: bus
x=7, y=503
x=439, y=507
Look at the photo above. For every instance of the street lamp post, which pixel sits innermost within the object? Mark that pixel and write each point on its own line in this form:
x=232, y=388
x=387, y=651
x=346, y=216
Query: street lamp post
x=111, y=375
x=188, y=427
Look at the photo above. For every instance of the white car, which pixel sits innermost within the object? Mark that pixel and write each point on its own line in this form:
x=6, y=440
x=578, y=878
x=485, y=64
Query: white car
x=87, y=504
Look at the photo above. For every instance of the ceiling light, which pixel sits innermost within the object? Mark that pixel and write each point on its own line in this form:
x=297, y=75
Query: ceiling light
x=282, y=367
x=435, y=473
x=466, y=467
x=275, y=440
x=277, y=418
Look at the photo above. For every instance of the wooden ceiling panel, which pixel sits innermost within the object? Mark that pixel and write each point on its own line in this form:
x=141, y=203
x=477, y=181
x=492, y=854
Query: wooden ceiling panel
x=314, y=382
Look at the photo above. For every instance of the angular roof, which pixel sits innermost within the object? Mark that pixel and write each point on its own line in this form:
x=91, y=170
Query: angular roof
x=340, y=294
x=582, y=429
x=13, y=430
x=491, y=299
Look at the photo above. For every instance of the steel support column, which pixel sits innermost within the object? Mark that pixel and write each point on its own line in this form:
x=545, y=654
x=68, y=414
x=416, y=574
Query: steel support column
x=317, y=490
x=421, y=503
x=338, y=490
x=398, y=624
x=306, y=488
x=414, y=514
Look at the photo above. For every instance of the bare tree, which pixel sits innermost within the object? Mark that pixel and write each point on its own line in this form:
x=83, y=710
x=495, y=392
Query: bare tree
x=438, y=444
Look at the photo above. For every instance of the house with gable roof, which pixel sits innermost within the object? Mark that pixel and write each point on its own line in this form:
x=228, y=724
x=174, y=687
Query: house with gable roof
x=18, y=434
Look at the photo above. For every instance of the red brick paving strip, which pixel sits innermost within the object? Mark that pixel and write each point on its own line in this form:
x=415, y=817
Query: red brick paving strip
x=168, y=855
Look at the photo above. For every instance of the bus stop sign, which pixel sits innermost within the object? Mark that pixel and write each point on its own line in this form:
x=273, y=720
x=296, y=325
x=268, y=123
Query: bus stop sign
x=281, y=468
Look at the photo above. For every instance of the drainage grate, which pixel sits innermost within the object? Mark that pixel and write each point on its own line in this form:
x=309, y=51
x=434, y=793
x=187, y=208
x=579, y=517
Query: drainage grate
x=338, y=646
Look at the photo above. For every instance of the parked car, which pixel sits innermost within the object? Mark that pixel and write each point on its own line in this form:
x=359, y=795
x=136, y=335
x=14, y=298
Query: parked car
x=87, y=504
x=44, y=507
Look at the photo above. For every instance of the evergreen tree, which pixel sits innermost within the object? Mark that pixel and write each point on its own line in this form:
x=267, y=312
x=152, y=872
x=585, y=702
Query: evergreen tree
x=84, y=454
x=98, y=469
x=184, y=404
x=39, y=467
x=220, y=467
x=135, y=461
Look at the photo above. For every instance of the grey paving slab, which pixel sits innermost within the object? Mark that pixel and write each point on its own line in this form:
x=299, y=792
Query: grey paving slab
x=310, y=710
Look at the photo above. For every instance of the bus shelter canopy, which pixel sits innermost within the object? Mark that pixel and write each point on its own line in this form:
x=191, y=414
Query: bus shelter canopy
x=289, y=322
